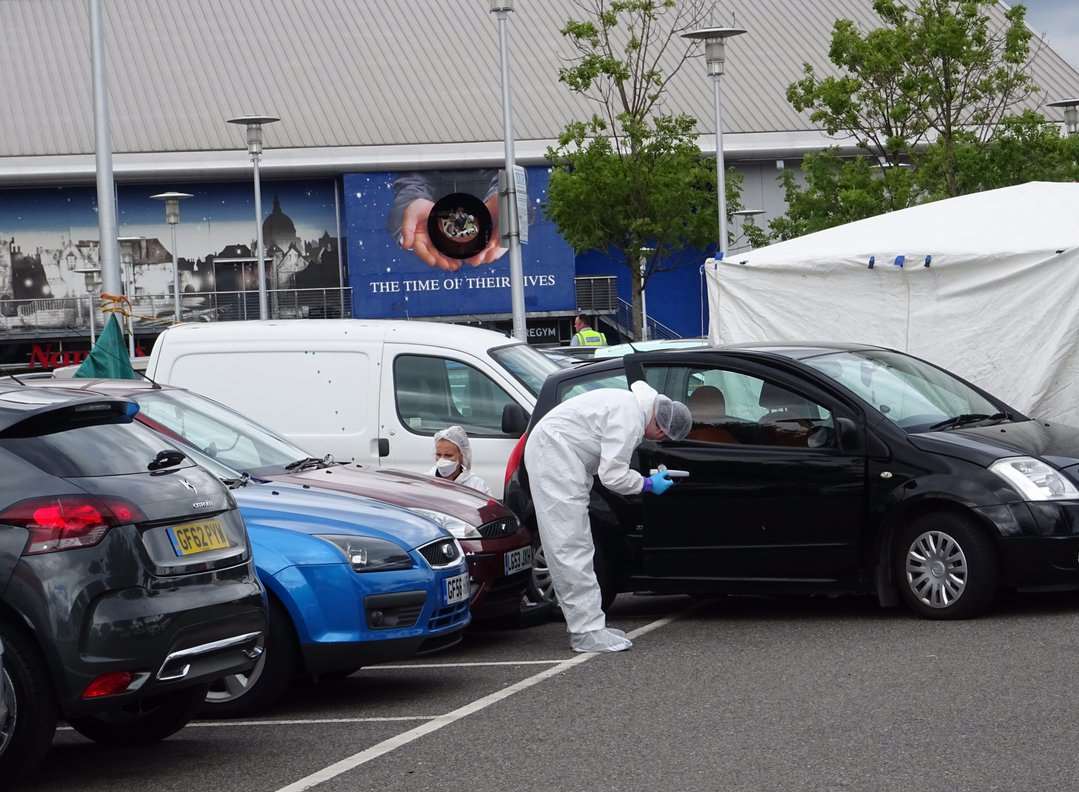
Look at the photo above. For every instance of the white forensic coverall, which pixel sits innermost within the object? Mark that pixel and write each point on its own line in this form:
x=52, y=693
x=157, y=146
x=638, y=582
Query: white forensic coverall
x=592, y=434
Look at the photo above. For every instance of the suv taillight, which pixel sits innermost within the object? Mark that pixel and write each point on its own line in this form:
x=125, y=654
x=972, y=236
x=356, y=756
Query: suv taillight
x=514, y=462
x=66, y=522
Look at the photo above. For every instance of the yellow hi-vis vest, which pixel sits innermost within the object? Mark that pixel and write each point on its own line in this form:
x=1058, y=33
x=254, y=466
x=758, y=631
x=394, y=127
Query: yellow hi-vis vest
x=590, y=337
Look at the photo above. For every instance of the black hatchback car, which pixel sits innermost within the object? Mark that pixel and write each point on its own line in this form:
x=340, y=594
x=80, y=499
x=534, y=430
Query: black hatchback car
x=126, y=582
x=828, y=467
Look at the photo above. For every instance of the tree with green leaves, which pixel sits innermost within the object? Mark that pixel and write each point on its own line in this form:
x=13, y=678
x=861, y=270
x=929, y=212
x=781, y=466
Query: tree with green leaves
x=631, y=180
x=930, y=99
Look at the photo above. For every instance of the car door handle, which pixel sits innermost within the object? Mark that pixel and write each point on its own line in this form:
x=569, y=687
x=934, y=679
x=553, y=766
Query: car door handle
x=383, y=447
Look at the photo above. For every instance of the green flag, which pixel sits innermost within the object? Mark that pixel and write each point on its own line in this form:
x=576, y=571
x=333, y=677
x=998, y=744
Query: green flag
x=108, y=359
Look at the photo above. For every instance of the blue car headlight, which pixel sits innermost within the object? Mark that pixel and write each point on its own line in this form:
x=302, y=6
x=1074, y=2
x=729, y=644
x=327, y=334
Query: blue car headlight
x=366, y=554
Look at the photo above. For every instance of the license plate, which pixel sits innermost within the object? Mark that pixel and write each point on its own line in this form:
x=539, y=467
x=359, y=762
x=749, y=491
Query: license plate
x=517, y=560
x=457, y=589
x=198, y=537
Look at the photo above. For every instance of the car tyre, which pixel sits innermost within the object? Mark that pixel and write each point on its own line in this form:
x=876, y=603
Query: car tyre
x=27, y=733
x=156, y=718
x=541, y=588
x=945, y=567
x=242, y=694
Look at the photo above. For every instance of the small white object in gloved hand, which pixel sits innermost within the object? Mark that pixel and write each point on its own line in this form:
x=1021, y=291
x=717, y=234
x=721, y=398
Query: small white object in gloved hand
x=599, y=641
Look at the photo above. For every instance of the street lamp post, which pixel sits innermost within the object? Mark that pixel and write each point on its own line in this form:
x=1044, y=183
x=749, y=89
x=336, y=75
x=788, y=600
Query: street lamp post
x=128, y=274
x=502, y=9
x=715, y=39
x=645, y=253
x=254, y=124
x=172, y=217
x=106, y=191
x=1071, y=113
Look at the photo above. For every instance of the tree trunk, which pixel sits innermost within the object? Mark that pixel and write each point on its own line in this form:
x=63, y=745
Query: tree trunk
x=637, y=287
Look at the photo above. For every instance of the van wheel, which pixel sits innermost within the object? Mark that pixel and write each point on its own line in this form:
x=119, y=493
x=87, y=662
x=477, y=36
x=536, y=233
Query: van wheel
x=155, y=719
x=242, y=694
x=28, y=709
x=945, y=567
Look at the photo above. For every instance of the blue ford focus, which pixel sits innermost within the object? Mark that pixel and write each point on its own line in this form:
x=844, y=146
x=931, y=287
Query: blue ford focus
x=351, y=582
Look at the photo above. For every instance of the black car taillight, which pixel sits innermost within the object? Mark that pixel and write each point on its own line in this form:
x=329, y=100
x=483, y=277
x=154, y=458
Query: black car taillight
x=66, y=522
x=514, y=462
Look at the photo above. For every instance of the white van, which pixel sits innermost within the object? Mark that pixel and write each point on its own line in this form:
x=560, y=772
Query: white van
x=370, y=391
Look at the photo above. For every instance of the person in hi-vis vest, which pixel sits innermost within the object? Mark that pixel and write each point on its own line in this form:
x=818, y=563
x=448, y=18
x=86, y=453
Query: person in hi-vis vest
x=585, y=335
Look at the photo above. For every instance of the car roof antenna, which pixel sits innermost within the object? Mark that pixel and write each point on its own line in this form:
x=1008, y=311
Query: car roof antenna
x=141, y=374
x=12, y=376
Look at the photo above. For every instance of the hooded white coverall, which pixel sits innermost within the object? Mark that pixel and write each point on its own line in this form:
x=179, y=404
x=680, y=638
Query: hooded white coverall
x=592, y=434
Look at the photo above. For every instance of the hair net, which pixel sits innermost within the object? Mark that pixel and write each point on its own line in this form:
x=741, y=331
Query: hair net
x=673, y=418
x=457, y=436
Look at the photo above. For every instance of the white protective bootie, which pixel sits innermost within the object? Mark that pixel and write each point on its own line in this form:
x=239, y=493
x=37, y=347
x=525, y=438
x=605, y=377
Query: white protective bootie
x=599, y=641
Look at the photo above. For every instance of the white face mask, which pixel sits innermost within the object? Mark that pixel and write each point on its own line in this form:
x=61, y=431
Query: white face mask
x=446, y=467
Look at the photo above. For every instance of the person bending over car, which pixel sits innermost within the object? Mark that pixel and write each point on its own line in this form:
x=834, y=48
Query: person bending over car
x=592, y=434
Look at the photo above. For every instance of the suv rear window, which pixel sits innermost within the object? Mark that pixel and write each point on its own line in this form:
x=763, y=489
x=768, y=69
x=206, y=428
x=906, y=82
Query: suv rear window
x=108, y=449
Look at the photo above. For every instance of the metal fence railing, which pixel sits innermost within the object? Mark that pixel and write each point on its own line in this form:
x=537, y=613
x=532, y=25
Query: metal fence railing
x=656, y=330
x=84, y=314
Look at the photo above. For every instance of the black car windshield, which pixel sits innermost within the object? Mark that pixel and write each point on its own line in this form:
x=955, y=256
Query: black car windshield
x=908, y=392
x=218, y=432
x=529, y=367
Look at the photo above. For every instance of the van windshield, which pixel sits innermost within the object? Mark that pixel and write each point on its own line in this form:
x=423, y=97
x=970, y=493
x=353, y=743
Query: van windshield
x=528, y=367
x=218, y=432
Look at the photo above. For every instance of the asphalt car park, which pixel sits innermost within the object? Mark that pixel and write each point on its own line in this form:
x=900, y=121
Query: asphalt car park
x=726, y=693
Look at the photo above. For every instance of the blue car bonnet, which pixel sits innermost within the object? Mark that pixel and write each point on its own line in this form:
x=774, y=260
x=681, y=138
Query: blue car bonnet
x=314, y=511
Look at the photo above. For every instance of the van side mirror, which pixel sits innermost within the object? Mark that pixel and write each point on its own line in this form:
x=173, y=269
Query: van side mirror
x=850, y=436
x=514, y=420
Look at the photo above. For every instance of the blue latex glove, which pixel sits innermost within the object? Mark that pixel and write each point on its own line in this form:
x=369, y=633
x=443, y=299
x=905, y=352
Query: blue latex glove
x=658, y=483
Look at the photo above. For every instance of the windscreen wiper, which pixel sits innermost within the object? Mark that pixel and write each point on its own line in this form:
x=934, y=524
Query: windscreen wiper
x=967, y=418
x=306, y=462
x=236, y=483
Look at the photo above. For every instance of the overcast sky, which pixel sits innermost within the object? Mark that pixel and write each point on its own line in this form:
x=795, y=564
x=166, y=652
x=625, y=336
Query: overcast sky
x=1058, y=21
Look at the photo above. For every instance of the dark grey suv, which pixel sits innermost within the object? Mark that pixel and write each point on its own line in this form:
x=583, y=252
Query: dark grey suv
x=126, y=582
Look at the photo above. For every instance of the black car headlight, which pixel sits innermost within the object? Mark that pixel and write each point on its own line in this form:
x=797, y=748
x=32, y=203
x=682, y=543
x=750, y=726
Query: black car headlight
x=366, y=554
x=1035, y=480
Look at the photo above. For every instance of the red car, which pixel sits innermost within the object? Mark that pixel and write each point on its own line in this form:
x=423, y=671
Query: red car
x=499, y=550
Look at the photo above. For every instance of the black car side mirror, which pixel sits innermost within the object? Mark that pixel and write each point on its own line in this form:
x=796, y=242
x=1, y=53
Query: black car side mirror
x=514, y=420
x=850, y=436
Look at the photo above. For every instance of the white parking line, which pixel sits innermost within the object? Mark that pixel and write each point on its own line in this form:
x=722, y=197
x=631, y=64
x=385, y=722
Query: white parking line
x=296, y=722
x=475, y=664
x=393, y=743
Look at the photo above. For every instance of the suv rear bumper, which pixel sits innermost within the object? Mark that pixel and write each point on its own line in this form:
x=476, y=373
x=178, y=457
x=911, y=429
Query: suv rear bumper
x=209, y=624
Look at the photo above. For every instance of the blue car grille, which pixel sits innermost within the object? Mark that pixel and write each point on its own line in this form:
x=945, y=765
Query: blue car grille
x=447, y=617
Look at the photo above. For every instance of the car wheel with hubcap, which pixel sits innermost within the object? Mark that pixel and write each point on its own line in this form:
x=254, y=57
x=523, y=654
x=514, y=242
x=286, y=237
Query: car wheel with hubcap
x=29, y=722
x=541, y=586
x=259, y=688
x=945, y=567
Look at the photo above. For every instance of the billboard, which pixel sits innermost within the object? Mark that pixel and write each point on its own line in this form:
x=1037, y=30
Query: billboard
x=49, y=249
x=396, y=271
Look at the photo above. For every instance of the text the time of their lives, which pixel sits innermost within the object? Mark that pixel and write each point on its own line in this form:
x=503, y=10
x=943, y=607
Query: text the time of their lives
x=459, y=282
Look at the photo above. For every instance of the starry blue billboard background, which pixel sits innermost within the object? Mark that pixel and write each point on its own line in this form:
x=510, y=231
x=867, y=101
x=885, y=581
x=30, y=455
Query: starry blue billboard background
x=388, y=282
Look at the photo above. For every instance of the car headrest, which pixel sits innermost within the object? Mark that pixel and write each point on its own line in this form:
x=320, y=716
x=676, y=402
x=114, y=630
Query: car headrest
x=707, y=404
x=774, y=397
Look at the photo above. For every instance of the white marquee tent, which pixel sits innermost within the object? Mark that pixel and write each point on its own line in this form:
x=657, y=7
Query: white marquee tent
x=986, y=285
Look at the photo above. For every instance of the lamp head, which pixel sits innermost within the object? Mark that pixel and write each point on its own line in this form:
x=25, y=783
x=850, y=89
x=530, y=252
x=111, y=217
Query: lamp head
x=501, y=6
x=172, y=205
x=254, y=124
x=1071, y=113
x=714, y=39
